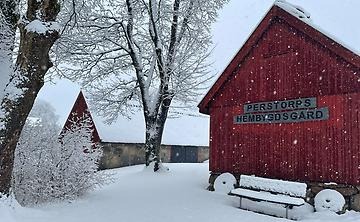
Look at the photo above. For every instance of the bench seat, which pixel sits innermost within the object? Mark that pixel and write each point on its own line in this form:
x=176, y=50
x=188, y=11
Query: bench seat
x=269, y=197
x=287, y=193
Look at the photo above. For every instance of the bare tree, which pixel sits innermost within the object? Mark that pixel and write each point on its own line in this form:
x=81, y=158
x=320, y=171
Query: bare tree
x=150, y=52
x=38, y=32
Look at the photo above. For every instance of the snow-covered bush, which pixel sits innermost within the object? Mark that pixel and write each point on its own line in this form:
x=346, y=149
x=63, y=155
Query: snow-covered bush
x=224, y=183
x=48, y=169
x=329, y=200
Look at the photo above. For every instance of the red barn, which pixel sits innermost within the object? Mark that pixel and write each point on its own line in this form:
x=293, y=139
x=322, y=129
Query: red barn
x=287, y=106
x=77, y=113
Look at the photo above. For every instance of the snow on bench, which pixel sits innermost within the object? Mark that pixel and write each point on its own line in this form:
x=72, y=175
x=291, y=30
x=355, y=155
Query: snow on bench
x=270, y=190
x=290, y=188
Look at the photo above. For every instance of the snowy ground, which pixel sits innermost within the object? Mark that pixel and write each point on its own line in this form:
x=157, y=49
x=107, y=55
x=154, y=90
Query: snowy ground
x=141, y=196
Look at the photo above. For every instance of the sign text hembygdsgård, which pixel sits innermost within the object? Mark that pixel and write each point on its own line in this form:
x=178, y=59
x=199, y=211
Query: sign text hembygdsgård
x=285, y=111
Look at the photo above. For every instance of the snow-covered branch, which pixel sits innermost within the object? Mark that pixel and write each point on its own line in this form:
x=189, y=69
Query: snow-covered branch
x=47, y=169
x=164, y=46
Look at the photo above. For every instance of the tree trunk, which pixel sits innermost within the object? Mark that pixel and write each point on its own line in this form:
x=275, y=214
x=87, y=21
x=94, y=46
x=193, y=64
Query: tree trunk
x=7, y=41
x=154, y=132
x=31, y=65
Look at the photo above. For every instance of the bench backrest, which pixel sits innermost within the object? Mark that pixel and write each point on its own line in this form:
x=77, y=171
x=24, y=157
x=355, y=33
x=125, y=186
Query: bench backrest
x=290, y=188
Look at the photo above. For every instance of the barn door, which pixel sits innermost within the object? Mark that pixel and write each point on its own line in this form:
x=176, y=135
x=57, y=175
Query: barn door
x=184, y=154
x=191, y=154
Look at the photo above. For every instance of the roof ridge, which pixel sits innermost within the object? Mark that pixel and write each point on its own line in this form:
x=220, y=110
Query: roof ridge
x=294, y=10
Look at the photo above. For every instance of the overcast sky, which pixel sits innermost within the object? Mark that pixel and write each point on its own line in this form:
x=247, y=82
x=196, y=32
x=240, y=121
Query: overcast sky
x=338, y=18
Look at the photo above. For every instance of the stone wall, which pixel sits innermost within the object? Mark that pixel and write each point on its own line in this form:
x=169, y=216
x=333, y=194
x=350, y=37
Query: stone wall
x=203, y=153
x=127, y=154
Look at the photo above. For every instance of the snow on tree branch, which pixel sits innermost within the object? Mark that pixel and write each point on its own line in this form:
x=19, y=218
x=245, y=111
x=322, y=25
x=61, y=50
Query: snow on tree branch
x=114, y=40
x=47, y=169
x=146, y=52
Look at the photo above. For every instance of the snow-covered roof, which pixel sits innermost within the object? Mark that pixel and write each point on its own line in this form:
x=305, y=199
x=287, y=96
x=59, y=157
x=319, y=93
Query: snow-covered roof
x=295, y=10
x=305, y=16
x=187, y=129
x=184, y=130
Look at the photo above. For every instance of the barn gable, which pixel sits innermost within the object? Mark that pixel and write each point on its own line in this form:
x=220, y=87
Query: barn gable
x=282, y=43
x=80, y=108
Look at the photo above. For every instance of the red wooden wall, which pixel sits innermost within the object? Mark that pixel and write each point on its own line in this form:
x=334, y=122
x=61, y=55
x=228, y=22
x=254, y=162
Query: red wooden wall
x=327, y=151
x=286, y=63
x=80, y=108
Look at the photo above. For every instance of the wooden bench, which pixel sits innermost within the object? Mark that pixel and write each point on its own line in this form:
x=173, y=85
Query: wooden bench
x=282, y=192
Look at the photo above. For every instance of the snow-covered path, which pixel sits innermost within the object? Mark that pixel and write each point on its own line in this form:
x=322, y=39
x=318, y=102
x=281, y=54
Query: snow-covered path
x=141, y=196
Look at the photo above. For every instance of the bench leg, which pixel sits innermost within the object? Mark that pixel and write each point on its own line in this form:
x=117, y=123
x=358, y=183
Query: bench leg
x=240, y=202
x=287, y=211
